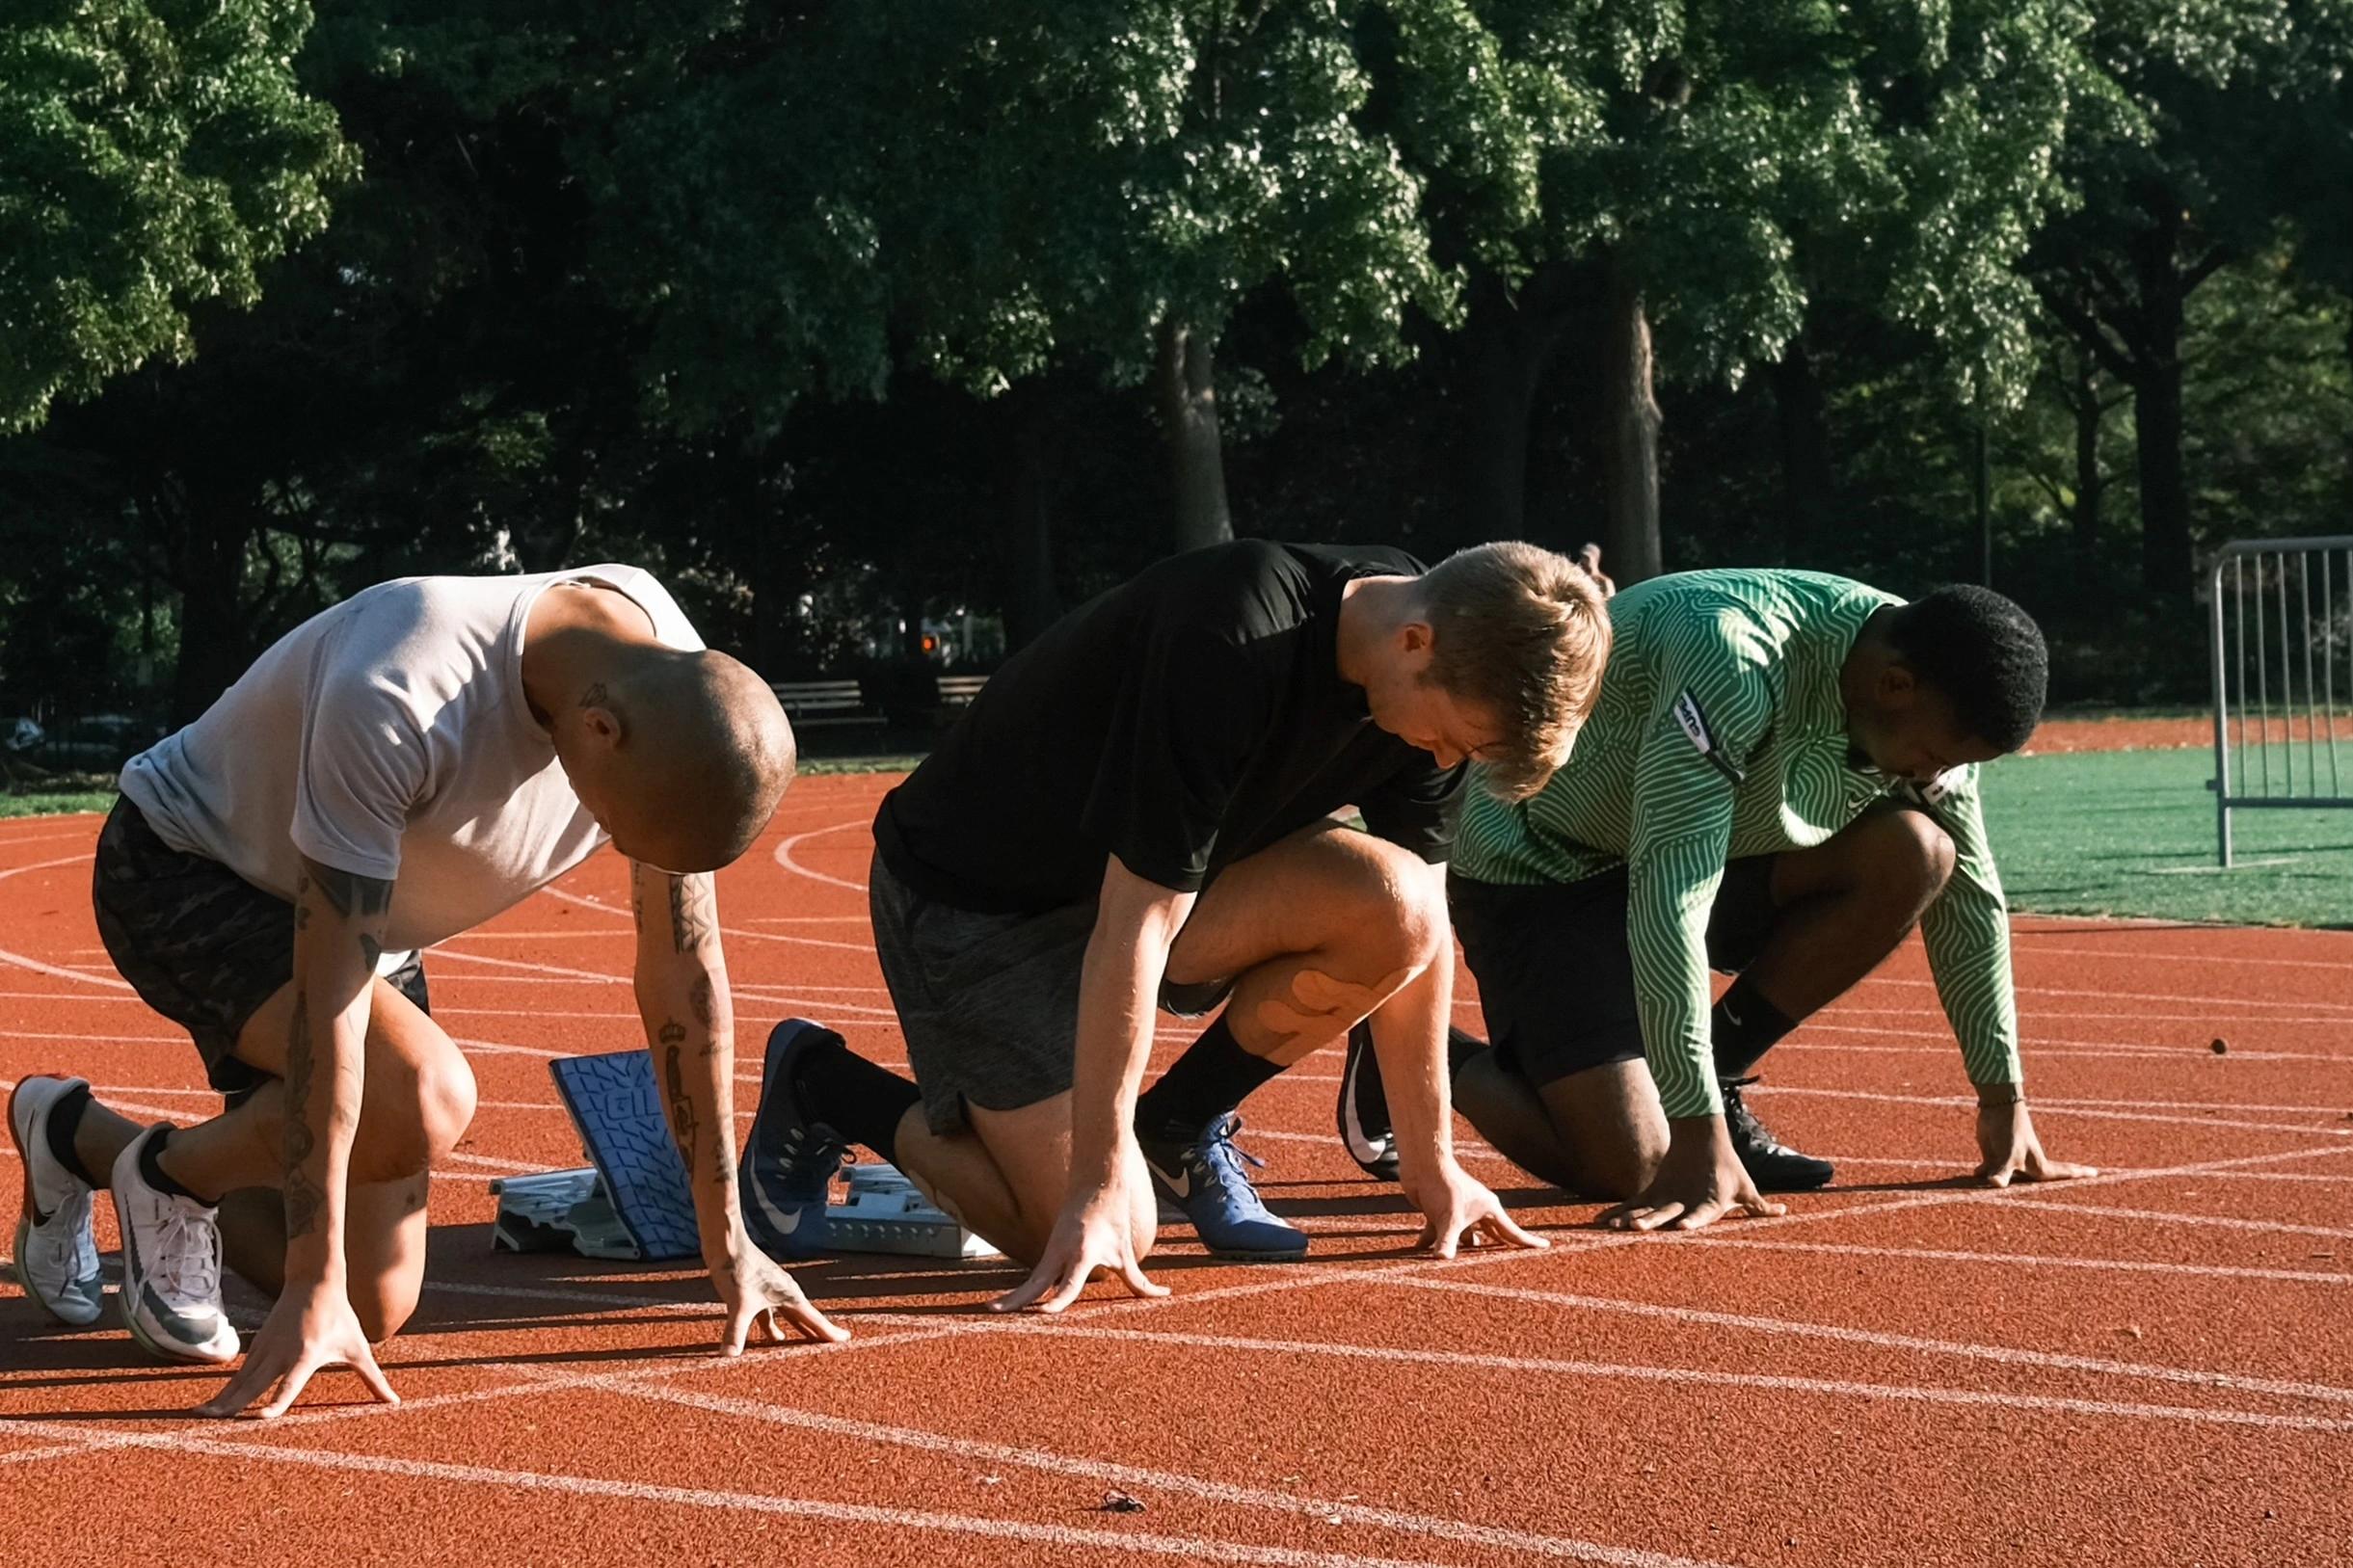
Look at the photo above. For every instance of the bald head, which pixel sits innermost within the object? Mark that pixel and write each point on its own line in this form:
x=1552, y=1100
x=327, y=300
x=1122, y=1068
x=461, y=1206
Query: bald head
x=704, y=755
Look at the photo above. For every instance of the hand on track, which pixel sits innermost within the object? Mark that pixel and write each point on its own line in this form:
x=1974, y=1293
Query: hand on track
x=309, y=1329
x=754, y=1287
x=1093, y=1233
x=2005, y=1138
x=1456, y=1208
x=1698, y=1182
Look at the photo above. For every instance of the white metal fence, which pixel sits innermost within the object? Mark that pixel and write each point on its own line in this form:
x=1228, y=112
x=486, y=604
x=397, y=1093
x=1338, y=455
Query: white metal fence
x=2281, y=614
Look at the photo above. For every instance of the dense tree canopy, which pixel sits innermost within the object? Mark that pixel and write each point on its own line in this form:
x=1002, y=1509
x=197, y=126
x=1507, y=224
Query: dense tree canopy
x=153, y=154
x=860, y=320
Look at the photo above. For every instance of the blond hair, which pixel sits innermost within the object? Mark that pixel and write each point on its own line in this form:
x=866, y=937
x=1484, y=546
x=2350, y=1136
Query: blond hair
x=1524, y=633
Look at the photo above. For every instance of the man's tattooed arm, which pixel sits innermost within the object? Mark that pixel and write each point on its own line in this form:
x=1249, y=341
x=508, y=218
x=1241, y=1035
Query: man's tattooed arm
x=683, y=997
x=339, y=920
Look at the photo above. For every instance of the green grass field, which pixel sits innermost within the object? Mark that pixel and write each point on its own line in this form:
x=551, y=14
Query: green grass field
x=2133, y=833
x=2093, y=832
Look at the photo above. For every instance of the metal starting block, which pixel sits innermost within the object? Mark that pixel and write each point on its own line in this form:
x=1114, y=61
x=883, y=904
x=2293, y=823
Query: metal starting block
x=572, y=1212
x=559, y=1211
x=635, y=1203
x=887, y=1213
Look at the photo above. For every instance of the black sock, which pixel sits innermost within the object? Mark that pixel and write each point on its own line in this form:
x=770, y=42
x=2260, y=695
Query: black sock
x=150, y=1166
x=1372, y=1099
x=1461, y=1047
x=1744, y=1026
x=849, y=1094
x=1212, y=1076
x=64, y=1121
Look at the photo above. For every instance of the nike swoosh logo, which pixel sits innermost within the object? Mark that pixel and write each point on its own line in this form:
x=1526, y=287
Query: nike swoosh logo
x=1181, y=1184
x=787, y=1224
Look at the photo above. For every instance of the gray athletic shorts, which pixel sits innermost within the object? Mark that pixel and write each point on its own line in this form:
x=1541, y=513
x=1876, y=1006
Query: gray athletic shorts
x=989, y=1003
x=200, y=943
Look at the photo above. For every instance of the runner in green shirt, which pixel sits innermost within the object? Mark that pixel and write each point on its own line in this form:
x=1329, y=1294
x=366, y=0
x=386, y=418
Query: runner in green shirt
x=1779, y=779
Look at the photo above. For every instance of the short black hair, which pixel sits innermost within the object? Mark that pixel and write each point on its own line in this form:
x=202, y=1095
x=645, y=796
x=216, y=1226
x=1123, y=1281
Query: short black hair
x=1984, y=653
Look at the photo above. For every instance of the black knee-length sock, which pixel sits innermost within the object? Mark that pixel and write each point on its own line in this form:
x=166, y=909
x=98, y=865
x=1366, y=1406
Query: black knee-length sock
x=1212, y=1076
x=849, y=1094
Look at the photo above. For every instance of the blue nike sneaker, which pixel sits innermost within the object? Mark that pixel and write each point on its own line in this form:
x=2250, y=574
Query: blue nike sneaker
x=1206, y=1180
x=789, y=1162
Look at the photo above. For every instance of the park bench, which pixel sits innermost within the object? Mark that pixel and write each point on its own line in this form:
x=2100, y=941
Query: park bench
x=811, y=702
x=959, y=691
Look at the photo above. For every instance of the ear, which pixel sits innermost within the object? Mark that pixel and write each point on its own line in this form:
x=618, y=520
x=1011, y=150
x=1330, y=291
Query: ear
x=1898, y=688
x=601, y=725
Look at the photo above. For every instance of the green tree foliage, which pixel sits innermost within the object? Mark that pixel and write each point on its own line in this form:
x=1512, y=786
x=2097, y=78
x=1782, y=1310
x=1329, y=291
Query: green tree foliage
x=154, y=154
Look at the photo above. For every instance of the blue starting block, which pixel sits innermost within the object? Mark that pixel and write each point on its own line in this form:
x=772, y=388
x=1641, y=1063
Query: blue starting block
x=632, y=1201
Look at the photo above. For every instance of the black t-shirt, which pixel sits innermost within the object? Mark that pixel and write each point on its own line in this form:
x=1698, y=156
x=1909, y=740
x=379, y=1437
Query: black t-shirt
x=1183, y=721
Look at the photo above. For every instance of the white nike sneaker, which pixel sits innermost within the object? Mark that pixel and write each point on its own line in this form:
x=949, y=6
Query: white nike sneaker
x=171, y=1267
x=56, y=1257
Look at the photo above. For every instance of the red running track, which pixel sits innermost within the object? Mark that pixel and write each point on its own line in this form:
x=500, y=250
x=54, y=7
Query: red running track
x=2154, y=1366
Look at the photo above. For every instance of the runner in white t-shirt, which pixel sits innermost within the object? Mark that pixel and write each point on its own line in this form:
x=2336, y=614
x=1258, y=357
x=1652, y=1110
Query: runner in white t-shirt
x=394, y=771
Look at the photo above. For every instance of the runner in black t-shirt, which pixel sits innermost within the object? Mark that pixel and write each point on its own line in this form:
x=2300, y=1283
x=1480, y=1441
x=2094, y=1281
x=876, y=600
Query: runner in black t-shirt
x=1142, y=803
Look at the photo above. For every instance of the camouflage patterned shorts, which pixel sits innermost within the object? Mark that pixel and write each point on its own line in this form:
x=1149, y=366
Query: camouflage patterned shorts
x=200, y=943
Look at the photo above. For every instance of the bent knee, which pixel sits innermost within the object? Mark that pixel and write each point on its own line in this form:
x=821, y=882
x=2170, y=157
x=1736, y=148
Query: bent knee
x=446, y=1104
x=384, y=1309
x=1930, y=853
x=1400, y=919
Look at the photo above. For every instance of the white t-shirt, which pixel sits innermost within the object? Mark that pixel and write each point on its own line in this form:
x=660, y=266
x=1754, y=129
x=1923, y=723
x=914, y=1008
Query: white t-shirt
x=389, y=737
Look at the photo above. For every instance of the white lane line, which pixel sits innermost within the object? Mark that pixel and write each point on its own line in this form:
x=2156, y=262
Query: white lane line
x=2038, y=1046
x=2021, y=943
x=783, y=855
x=2034, y=1260
x=2072, y=1015
x=2167, y=1216
x=2109, y=1111
x=1525, y=1543
x=1962, y=1349
x=477, y=934
x=47, y=866
x=2214, y=1004
x=1122, y=1542
x=110, y=982
x=724, y=930
x=1900, y=1392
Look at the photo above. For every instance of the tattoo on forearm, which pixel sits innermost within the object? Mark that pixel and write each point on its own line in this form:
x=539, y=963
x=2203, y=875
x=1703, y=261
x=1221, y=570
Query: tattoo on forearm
x=694, y=911
x=303, y=1196
x=699, y=999
x=672, y=1038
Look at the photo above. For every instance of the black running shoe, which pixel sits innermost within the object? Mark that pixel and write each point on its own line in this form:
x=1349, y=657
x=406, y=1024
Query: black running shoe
x=1773, y=1166
x=1363, y=1110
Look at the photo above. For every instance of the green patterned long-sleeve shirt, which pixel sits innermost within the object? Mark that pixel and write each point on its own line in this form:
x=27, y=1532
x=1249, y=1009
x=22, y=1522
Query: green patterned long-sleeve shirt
x=1720, y=734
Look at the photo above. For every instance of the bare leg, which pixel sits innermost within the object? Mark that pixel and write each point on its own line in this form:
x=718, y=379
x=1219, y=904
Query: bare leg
x=418, y=1102
x=1846, y=904
x=1321, y=929
x=1007, y=1178
x=1598, y=1133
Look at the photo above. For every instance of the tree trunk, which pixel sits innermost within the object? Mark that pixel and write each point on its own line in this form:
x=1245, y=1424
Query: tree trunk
x=214, y=640
x=1510, y=338
x=2166, y=565
x=1183, y=384
x=1804, y=417
x=1630, y=530
x=1032, y=600
x=2091, y=484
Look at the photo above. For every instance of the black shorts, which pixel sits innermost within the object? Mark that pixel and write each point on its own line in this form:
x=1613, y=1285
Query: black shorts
x=200, y=943
x=989, y=1003
x=1556, y=972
